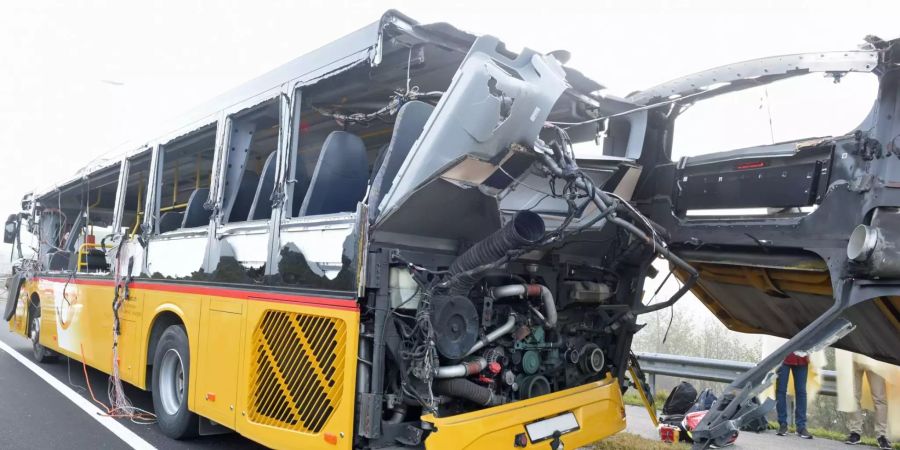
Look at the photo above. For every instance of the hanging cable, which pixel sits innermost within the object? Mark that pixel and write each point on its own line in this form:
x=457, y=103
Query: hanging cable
x=632, y=111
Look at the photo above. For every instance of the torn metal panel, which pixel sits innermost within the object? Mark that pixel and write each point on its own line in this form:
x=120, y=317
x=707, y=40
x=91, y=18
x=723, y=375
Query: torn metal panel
x=787, y=272
x=757, y=72
x=492, y=102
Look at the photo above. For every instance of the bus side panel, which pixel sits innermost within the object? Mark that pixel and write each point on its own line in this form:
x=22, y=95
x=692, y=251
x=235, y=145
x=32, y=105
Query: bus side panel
x=220, y=358
x=77, y=321
x=297, y=389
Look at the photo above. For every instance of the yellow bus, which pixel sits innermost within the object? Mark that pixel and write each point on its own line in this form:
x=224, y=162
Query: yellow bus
x=411, y=237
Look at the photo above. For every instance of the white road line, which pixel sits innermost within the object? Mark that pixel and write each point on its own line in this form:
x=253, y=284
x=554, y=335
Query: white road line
x=126, y=435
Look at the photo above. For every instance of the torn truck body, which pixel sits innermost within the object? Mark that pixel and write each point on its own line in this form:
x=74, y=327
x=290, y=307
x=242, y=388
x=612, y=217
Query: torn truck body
x=396, y=234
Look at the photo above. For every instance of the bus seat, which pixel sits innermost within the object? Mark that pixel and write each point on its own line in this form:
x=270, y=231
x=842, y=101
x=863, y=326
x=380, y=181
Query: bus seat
x=262, y=206
x=408, y=127
x=243, y=199
x=301, y=185
x=340, y=178
x=195, y=214
x=96, y=260
x=59, y=260
x=170, y=221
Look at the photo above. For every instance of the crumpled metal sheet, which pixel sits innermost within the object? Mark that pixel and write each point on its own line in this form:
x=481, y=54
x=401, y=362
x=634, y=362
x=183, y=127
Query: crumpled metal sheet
x=494, y=100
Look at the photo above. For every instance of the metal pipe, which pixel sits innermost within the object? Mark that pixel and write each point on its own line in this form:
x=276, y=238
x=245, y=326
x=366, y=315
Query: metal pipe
x=530, y=290
x=362, y=368
x=506, y=328
x=175, y=186
x=467, y=368
x=398, y=415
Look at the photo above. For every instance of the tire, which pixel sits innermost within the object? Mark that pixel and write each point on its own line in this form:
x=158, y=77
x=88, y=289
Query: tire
x=41, y=354
x=171, y=372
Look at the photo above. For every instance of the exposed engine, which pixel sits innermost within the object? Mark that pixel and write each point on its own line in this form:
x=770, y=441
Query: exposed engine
x=476, y=335
x=503, y=335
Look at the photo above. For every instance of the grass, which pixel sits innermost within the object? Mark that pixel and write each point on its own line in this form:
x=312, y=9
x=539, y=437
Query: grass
x=634, y=399
x=823, y=433
x=628, y=441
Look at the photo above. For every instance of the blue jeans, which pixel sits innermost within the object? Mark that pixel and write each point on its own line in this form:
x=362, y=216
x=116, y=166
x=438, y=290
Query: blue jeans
x=781, y=383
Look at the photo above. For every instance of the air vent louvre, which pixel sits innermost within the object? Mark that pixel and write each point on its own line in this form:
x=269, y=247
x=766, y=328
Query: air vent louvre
x=297, y=370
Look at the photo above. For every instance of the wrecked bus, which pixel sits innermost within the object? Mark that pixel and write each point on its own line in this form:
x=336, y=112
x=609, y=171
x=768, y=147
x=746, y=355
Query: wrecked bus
x=390, y=242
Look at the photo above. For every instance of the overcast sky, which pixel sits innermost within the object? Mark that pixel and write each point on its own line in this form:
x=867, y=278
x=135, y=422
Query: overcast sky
x=78, y=78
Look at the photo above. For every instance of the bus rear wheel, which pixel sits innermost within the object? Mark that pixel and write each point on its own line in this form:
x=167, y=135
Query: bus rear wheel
x=171, y=372
x=40, y=353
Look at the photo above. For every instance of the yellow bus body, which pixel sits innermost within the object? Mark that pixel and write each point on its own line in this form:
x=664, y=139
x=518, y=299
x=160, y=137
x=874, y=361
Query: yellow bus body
x=224, y=329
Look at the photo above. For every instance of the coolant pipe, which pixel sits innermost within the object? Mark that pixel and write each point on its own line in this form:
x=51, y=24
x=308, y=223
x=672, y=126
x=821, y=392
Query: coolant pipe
x=462, y=388
x=467, y=368
x=398, y=415
x=524, y=229
x=506, y=328
x=530, y=290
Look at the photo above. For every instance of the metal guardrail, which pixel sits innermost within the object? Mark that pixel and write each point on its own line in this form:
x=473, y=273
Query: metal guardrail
x=707, y=369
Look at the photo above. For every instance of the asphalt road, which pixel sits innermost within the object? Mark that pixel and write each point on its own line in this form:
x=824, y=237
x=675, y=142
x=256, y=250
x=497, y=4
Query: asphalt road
x=33, y=415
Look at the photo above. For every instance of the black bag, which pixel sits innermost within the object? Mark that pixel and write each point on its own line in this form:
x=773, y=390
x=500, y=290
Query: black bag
x=756, y=424
x=704, y=401
x=680, y=399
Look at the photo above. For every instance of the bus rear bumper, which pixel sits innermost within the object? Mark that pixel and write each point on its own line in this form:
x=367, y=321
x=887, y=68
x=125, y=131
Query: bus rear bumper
x=597, y=407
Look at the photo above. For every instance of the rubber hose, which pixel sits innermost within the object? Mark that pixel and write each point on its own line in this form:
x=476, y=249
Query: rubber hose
x=463, y=388
x=524, y=229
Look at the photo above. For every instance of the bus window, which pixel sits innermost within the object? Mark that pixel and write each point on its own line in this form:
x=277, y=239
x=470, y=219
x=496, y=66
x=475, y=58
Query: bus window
x=333, y=161
x=74, y=219
x=98, y=198
x=185, y=179
x=135, y=195
x=250, y=163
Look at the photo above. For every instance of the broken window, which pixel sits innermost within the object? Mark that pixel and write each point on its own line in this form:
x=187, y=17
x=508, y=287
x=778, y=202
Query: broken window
x=135, y=195
x=333, y=158
x=185, y=178
x=796, y=108
x=75, y=222
x=766, y=150
x=250, y=162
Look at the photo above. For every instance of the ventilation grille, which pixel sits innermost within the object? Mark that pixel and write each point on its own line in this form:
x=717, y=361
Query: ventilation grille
x=297, y=370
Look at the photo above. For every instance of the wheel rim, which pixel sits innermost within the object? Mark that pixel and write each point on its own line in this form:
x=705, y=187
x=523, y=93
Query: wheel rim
x=171, y=381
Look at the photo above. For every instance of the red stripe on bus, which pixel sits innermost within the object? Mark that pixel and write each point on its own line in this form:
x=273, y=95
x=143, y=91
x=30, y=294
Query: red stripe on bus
x=278, y=297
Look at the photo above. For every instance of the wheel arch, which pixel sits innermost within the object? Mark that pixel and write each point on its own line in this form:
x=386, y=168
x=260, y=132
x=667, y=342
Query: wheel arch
x=34, y=303
x=163, y=318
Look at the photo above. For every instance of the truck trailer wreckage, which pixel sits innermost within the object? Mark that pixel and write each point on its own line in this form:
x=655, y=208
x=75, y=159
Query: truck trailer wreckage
x=391, y=242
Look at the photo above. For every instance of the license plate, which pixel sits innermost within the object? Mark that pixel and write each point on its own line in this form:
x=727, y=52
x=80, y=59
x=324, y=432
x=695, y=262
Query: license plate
x=545, y=429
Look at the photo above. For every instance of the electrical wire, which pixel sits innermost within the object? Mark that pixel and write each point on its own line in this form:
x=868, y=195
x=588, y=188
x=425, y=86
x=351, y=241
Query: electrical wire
x=671, y=316
x=633, y=110
x=77, y=387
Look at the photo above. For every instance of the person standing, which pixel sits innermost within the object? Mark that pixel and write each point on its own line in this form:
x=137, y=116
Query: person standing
x=862, y=366
x=796, y=364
